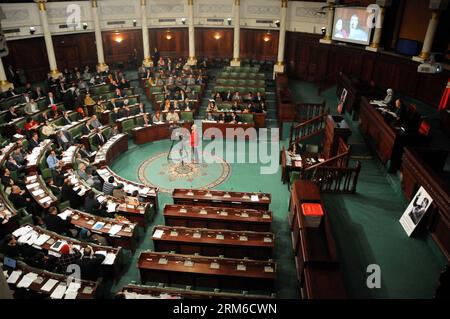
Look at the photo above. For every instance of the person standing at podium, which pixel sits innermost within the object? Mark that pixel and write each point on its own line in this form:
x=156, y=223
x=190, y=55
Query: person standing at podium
x=194, y=143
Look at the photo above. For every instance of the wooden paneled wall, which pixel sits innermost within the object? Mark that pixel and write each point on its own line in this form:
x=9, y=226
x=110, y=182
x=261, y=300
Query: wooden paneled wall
x=309, y=60
x=177, y=46
x=120, y=52
x=253, y=46
x=206, y=45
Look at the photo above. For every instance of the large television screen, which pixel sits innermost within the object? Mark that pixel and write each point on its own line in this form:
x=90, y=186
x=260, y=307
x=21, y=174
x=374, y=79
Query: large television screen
x=352, y=24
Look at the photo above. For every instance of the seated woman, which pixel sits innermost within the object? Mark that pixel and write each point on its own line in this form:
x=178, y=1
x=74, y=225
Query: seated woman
x=211, y=106
x=217, y=97
x=30, y=125
x=235, y=106
x=88, y=100
x=31, y=107
x=49, y=129
x=157, y=117
x=166, y=105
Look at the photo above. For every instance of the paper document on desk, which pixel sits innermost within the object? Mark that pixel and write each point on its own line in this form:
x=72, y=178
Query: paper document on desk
x=38, y=192
x=12, y=279
x=30, y=186
x=254, y=198
x=158, y=233
x=27, y=280
x=109, y=259
x=59, y=291
x=111, y=207
x=65, y=214
x=115, y=229
x=144, y=191
x=22, y=230
x=42, y=239
x=49, y=285
x=45, y=200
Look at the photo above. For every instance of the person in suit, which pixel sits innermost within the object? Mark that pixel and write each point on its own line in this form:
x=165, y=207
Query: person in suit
x=33, y=142
x=419, y=209
x=64, y=139
x=92, y=181
x=52, y=187
x=93, y=206
x=66, y=119
x=69, y=99
x=401, y=110
x=95, y=123
x=51, y=100
x=19, y=155
x=11, y=114
x=21, y=199
x=228, y=96
x=156, y=57
x=90, y=264
x=68, y=194
x=237, y=97
x=7, y=180
x=56, y=224
x=9, y=247
x=13, y=166
x=52, y=160
x=31, y=107
x=234, y=118
x=58, y=176
x=42, y=261
x=98, y=139
x=84, y=152
x=38, y=93
x=258, y=98
x=115, y=115
x=118, y=94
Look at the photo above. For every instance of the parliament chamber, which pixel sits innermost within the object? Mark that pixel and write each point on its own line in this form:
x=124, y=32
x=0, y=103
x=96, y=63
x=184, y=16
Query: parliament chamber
x=233, y=149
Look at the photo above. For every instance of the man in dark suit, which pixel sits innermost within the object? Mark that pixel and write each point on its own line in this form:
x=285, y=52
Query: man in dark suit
x=98, y=139
x=68, y=194
x=86, y=129
x=64, y=139
x=90, y=264
x=66, y=119
x=11, y=114
x=234, y=118
x=51, y=99
x=33, y=142
x=57, y=224
x=259, y=98
x=69, y=99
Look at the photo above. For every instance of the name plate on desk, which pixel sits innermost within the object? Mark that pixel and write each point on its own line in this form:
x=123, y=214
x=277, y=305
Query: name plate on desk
x=244, y=215
x=241, y=267
x=189, y=263
x=226, y=195
x=220, y=237
x=190, y=193
x=222, y=213
x=173, y=233
x=243, y=238
x=268, y=269
x=203, y=212
x=196, y=235
x=267, y=239
x=208, y=195
x=183, y=210
x=266, y=216
x=245, y=196
x=265, y=197
x=162, y=261
x=214, y=266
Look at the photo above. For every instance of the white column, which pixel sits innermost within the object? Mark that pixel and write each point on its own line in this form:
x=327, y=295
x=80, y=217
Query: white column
x=54, y=73
x=330, y=16
x=379, y=21
x=4, y=83
x=429, y=37
x=145, y=40
x=191, y=60
x=237, y=30
x=279, y=66
x=101, y=66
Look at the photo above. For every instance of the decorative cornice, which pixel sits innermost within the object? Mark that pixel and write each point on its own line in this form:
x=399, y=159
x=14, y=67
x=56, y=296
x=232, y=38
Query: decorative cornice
x=94, y=3
x=237, y=2
x=143, y=3
x=190, y=2
x=284, y=3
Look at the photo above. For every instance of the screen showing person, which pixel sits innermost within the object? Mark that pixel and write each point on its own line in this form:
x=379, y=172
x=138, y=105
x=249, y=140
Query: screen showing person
x=351, y=25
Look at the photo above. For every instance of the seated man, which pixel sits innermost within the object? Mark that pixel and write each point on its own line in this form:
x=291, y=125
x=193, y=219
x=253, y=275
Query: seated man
x=13, y=166
x=64, y=139
x=234, y=118
x=119, y=192
x=108, y=186
x=98, y=139
x=172, y=117
x=92, y=181
x=90, y=264
x=58, y=225
x=95, y=123
x=52, y=160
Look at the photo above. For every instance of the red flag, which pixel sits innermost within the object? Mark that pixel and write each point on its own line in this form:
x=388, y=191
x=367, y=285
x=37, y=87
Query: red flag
x=445, y=97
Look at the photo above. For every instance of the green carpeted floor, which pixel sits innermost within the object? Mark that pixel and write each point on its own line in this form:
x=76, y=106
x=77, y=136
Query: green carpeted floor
x=365, y=225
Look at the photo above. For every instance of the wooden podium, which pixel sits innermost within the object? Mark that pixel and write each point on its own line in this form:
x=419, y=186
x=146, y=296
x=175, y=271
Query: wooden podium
x=336, y=128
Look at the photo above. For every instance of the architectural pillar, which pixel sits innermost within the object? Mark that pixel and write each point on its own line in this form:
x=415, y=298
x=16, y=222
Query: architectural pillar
x=5, y=85
x=429, y=37
x=54, y=73
x=191, y=60
x=279, y=66
x=145, y=40
x=237, y=32
x=101, y=66
x=375, y=45
x=330, y=16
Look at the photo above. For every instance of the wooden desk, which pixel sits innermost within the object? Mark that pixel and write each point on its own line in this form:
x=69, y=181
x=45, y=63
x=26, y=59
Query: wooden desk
x=210, y=242
x=39, y=191
x=36, y=155
x=416, y=173
x=112, y=268
x=68, y=157
x=314, y=248
x=215, y=218
x=154, y=132
x=88, y=289
x=147, y=194
x=127, y=237
x=218, y=198
x=387, y=141
x=228, y=130
x=111, y=150
x=157, y=292
x=196, y=271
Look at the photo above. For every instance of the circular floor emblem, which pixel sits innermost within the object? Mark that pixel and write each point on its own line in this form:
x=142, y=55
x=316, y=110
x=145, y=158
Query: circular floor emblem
x=167, y=174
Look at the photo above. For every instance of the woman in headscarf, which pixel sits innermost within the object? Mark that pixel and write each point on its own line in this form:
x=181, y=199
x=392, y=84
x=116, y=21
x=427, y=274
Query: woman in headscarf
x=389, y=97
